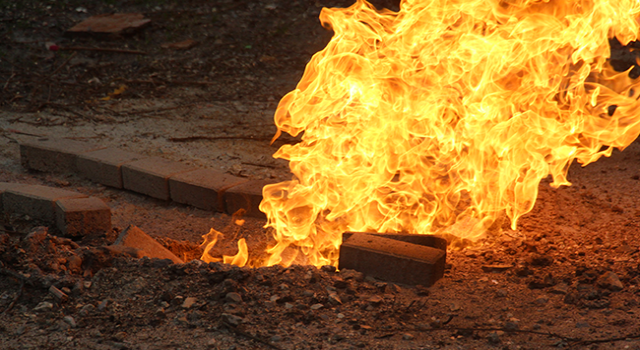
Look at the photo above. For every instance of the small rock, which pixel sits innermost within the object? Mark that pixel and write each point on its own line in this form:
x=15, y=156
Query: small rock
x=188, y=302
x=536, y=259
x=328, y=268
x=316, y=306
x=375, y=299
x=275, y=339
x=43, y=307
x=560, y=288
x=233, y=297
x=160, y=313
x=407, y=336
x=334, y=298
x=541, y=300
x=103, y=305
x=70, y=321
x=87, y=309
x=232, y=319
x=494, y=338
x=611, y=281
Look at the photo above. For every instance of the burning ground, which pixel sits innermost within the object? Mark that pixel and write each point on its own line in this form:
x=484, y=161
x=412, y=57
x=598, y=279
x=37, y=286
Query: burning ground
x=567, y=277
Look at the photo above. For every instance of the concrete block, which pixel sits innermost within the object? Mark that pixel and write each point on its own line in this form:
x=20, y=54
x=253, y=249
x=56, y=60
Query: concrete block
x=202, y=188
x=150, y=176
x=54, y=155
x=35, y=200
x=104, y=166
x=392, y=260
x=82, y=216
x=133, y=237
x=246, y=196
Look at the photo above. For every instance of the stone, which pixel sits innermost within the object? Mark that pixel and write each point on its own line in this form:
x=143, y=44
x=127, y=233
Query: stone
x=36, y=201
x=181, y=45
x=43, y=307
x=150, y=176
x=53, y=155
x=610, y=280
x=70, y=321
x=78, y=217
x=133, y=237
x=105, y=166
x=202, y=188
x=188, y=302
x=233, y=297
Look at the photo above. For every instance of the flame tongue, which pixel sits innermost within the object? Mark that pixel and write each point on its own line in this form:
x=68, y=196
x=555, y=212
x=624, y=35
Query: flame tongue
x=444, y=111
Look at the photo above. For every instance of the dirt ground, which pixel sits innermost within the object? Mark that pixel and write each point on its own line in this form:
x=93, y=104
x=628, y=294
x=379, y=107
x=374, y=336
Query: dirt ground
x=569, y=277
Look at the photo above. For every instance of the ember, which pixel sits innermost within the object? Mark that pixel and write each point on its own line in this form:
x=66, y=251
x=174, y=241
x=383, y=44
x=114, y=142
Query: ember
x=446, y=111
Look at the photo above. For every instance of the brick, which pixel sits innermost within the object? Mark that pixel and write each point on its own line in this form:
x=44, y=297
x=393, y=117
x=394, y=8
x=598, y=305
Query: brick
x=82, y=216
x=54, y=155
x=150, y=176
x=246, y=196
x=433, y=241
x=202, y=188
x=104, y=166
x=392, y=260
x=6, y=186
x=133, y=237
x=35, y=200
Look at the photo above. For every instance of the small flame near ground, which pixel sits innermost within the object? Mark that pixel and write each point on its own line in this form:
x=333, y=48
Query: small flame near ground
x=446, y=112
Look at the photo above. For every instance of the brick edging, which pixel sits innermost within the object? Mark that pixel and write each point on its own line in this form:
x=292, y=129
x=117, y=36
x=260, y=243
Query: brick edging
x=153, y=176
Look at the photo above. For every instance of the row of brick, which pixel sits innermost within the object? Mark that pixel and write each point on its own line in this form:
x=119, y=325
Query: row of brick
x=153, y=176
x=75, y=214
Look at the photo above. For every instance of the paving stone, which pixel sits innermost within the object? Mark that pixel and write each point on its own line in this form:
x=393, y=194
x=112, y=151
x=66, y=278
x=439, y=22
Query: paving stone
x=53, y=155
x=36, y=201
x=150, y=176
x=202, y=188
x=246, y=196
x=116, y=23
x=133, y=237
x=392, y=260
x=82, y=216
x=104, y=166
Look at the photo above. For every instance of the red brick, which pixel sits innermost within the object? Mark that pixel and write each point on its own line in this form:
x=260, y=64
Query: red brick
x=82, y=216
x=246, y=196
x=6, y=186
x=110, y=23
x=150, y=176
x=433, y=241
x=133, y=237
x=54, y=155
x=104, y=166
x=392, y=260
x=36, y=201
x=202, y=188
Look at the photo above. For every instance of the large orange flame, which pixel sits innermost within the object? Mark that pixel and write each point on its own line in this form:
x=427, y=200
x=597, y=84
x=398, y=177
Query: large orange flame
x=446, y=110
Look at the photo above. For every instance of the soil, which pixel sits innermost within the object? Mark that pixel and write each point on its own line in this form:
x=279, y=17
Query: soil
x=568, y=277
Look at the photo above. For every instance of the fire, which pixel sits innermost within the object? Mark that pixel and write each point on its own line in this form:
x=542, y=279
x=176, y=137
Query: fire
x=445, y=111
